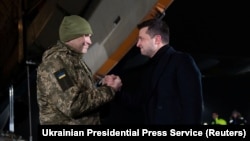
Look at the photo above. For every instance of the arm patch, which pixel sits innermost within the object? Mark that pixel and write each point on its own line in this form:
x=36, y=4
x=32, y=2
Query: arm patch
x=63, y=79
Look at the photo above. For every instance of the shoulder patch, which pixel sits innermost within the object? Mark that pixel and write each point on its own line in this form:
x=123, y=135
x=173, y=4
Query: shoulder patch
x=63, y=79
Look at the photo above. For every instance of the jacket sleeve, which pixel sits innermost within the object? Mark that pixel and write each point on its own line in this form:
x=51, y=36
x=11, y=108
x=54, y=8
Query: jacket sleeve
x=58, y=87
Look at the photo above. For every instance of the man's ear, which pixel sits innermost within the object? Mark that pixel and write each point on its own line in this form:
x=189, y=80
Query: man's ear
x=158, y=39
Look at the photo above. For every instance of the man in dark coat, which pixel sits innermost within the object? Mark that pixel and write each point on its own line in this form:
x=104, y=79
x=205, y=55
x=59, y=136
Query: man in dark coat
x=168, y=87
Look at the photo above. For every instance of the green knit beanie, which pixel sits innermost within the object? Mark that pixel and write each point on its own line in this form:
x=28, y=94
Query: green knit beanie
x=73, y=27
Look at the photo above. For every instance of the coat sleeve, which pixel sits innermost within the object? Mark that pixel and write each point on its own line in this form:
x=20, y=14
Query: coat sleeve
x=189, y=81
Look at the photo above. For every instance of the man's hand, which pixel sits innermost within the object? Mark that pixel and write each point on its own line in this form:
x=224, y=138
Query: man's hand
x=113, y=81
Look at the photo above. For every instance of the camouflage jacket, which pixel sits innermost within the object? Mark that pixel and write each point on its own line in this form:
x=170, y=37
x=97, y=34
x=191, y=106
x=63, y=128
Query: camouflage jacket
x=66, y=90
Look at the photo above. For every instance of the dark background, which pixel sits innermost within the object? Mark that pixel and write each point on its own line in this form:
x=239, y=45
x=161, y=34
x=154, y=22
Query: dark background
x=214, y=32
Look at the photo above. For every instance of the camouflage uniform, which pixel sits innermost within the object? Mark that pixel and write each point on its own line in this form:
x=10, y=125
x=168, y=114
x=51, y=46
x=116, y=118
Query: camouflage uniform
x=66, y=90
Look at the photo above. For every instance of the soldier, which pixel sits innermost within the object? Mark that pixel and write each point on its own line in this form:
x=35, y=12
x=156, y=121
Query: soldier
x=67, y=93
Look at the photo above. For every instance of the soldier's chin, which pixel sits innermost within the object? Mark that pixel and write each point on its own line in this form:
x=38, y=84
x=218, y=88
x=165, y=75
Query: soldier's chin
x=84, y=50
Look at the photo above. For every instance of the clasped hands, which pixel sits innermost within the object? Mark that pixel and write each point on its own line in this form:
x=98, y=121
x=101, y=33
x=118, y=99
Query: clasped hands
x=113, y=81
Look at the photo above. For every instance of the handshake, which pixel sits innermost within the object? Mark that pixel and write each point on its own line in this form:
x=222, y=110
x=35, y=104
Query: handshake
x=112, y=80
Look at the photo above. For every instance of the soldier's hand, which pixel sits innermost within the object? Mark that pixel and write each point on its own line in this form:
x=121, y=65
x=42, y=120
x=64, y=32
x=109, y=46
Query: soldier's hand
x=113, y=81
